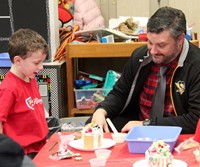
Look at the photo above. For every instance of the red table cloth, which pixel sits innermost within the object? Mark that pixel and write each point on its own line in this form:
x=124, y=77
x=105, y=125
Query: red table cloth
x=120, y=155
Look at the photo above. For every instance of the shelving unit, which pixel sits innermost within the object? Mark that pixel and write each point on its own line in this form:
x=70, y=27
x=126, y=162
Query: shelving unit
x=94, y=50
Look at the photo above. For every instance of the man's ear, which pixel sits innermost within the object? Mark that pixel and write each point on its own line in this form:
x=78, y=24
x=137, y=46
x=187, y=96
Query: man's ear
x=181, y=37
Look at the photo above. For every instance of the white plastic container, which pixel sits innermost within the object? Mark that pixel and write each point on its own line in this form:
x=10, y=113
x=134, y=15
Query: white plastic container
x=73, y=124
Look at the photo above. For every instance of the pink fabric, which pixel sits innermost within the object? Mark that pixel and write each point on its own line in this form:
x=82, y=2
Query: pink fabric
x=87, y=15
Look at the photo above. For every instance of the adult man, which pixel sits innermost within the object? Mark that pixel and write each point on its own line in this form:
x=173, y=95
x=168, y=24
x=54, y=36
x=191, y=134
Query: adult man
x=131, y=101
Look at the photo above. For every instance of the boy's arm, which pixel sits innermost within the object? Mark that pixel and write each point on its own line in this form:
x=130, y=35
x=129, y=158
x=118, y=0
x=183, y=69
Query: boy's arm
x=1, y=127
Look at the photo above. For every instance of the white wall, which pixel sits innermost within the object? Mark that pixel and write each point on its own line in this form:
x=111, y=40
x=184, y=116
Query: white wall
x=54, y=27
x=145, y=8
x=191, y=10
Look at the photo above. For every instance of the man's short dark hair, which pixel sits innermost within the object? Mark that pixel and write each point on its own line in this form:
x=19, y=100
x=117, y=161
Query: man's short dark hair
x=167, y=18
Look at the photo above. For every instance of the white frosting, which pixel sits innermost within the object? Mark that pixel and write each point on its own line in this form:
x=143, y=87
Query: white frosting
x=158, y=155
x=95, y=132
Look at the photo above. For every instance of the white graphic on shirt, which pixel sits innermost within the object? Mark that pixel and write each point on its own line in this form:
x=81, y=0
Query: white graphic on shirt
x=31, y=102
x=180, y=87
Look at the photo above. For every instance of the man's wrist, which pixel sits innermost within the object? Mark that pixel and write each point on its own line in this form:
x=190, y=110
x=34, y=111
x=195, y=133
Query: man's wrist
x=101, y=111
x=146, y=122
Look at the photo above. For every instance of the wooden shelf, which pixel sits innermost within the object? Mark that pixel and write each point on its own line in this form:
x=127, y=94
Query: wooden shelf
x=102, y=50
x=94, y=50
x=81, y=111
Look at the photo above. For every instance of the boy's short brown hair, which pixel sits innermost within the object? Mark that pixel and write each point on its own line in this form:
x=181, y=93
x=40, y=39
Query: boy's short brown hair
x=24, y=41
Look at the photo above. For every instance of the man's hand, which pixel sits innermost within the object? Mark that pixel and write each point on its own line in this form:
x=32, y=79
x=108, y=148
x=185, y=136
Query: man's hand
x=130, y=125
x=99, y=117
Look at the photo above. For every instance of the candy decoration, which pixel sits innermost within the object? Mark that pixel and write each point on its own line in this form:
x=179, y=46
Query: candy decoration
x=158, y=155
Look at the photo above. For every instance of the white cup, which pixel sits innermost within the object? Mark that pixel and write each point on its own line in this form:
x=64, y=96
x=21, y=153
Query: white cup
x=103, y=153
x=97, y=162
x=118, y=137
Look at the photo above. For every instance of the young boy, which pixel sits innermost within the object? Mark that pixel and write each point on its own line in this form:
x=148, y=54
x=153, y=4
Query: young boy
x=22, y=115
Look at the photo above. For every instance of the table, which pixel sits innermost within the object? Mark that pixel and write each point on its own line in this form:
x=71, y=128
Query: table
x=120, y=155
x=94, y=50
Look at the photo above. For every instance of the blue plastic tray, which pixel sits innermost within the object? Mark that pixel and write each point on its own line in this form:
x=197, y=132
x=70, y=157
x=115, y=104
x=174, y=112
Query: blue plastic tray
x=5, y=60
x=140, y=138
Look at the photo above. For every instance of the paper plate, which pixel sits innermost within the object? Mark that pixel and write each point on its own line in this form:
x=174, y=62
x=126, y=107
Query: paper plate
x=78, y=144
x=175, y=163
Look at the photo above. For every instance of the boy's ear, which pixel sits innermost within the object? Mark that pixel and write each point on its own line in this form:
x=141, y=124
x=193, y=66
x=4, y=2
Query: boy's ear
x=17, y=60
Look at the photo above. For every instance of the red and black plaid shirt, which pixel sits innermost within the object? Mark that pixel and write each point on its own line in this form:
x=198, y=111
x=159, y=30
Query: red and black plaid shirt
x=146, y=96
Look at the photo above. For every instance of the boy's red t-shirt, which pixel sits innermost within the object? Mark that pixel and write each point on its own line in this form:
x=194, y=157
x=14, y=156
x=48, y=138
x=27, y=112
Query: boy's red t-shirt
x=22, y=112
